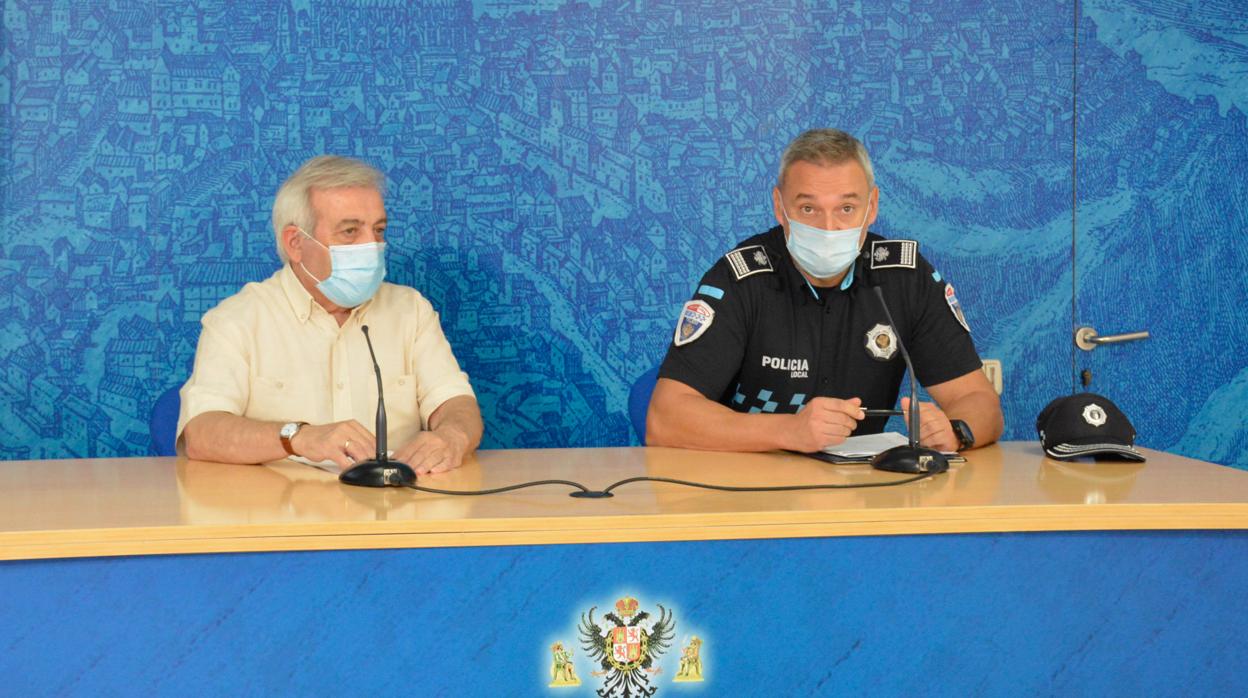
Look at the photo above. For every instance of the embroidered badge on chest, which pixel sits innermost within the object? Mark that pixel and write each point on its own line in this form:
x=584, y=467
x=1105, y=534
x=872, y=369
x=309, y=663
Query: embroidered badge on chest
x=695, y=317
x=881, y=342
x=952, y=299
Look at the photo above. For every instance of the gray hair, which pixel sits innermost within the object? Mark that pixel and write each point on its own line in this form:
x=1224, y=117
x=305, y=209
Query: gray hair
x=291, y=205
x=826, y=146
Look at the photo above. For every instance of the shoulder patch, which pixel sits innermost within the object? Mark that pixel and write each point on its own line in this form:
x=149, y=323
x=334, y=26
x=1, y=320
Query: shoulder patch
x=695, y=319
x=952, y=299
x=749, y=260
x=894, y=254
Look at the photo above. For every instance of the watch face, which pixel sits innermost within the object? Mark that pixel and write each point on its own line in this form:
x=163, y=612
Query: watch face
x=289, y=429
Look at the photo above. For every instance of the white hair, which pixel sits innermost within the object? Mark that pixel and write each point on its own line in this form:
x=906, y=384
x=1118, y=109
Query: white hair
x=291, y=205
x=826, y=146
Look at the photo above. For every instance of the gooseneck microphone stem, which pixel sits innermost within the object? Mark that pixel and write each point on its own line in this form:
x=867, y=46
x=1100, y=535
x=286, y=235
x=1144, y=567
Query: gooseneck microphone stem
x=911, y=458
x=379, y=471
x=382, y=451
x=905, y=355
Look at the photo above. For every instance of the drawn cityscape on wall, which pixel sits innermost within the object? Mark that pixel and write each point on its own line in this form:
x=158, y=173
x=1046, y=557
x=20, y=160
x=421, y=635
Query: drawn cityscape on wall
x=560, y=176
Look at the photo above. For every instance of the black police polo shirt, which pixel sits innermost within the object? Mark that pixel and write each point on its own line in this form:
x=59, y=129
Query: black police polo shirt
x=758, y=338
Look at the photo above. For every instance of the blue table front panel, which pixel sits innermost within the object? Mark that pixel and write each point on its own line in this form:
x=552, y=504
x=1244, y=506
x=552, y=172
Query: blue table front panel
x=1121, y=613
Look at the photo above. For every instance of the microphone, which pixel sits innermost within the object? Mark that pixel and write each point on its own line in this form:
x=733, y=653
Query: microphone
x=911, y=458
x=382, y=451
x=379, y=471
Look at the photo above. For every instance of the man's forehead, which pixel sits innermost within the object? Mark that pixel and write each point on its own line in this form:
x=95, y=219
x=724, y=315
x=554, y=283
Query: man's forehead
x=343, y=192
x=347, y=201
x=840, y=180
x=848, y=166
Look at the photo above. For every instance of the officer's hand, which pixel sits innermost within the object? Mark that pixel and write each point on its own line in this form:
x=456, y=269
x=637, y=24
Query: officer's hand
x=342, y=442
x=434, y=451
x=935, y=431
x=823, y=422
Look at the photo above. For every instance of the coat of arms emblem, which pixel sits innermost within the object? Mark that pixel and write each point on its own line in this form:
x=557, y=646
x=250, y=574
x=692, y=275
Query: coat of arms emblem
x=628, y=648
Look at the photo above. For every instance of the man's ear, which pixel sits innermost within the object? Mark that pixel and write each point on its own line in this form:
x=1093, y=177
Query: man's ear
x=776, y=208
x=292, y=242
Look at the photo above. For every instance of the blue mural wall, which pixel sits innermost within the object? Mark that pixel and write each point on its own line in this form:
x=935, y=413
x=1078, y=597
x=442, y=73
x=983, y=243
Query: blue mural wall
x=562, y=173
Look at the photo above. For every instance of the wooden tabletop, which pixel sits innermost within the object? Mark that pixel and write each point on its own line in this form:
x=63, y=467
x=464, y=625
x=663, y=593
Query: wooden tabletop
x=139, y=506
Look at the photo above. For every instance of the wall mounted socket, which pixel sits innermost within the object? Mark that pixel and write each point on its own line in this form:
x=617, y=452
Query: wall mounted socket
x=992, y=369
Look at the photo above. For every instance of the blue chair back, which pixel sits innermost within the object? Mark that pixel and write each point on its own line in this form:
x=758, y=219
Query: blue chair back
x=639, y=401
x=164, y=422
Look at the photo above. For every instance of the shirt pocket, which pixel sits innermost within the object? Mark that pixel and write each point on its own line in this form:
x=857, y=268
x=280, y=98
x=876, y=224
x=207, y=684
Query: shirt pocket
x=402, y=408
x=281, y=400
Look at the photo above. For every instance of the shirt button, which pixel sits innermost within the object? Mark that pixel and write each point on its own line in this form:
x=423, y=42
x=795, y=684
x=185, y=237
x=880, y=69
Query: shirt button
x=279, y=384
x=340, y=386
x=400, y=381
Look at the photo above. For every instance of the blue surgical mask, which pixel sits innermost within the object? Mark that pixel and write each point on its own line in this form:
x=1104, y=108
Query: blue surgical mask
x=356, y=272
x=824, y=253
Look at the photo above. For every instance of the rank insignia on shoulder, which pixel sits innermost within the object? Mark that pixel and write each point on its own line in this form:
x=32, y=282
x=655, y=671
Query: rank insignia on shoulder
x=695, y=318
x=894, y=254
x=748, y=260
x=952, y=299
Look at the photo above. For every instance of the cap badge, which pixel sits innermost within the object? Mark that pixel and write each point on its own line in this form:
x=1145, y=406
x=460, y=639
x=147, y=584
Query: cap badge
x=1094, y=414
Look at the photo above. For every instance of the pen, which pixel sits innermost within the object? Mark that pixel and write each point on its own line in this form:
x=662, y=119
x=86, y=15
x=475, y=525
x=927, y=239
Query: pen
x=883, y=413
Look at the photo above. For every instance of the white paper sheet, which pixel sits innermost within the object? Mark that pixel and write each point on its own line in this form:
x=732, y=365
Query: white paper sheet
x=867, y=445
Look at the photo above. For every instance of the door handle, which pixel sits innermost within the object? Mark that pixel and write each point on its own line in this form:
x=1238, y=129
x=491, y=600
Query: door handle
x=1087, y=339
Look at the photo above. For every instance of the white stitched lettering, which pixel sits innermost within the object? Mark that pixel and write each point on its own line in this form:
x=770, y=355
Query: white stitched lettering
x=780, y=364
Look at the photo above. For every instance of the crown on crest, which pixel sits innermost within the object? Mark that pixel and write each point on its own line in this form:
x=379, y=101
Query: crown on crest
x=626, y=606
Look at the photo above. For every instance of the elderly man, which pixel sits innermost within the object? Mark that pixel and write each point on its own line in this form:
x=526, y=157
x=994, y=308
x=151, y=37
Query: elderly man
x=282, y=368
x=785, y=344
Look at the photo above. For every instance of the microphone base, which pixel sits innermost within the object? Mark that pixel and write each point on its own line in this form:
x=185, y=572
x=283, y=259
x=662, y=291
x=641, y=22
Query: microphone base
x=911, y=459
x=378, y=473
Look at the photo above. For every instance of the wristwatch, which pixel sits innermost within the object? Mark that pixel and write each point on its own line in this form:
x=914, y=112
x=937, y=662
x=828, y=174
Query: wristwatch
x=962, y=430
x=289, y=429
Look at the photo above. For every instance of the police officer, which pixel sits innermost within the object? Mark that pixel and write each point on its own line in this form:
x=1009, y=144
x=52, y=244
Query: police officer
x=784, y=343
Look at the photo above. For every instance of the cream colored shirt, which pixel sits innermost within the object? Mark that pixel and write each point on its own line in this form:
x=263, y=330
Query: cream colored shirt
x=271, y=353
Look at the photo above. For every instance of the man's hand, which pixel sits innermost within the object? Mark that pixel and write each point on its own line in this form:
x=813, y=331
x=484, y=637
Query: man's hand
x=342, y=442
x=434, y=451
x=935, y=431
x=823, y=422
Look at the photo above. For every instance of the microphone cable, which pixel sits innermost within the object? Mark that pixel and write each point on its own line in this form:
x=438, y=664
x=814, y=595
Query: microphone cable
x=777, y=488
x=584, y=492
x=473, y=493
